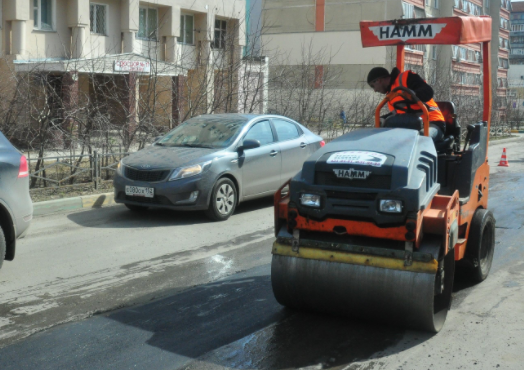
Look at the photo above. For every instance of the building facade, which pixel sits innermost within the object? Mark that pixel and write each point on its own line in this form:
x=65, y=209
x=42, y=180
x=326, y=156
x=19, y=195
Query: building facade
x=332, y=28
x=156, y=60
x=516, y=68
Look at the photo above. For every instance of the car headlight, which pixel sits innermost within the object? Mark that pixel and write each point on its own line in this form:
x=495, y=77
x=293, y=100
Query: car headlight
x=120, y=168
x=391, y=206
x=188, y=171
x=310, y=200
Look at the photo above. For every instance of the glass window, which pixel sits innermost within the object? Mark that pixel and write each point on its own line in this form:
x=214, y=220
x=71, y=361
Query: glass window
x=147, y=23
x=152, y=23
x=219, y=41
x=261, y=131
x=285, y=130
x=205, y=132
x=97, y=16
x=408, y=10
x=462, y=53
x=186, y=29
x=43, y=14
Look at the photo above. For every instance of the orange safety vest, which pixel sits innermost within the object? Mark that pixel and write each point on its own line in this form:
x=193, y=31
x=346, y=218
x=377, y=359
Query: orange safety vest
x=434, y=112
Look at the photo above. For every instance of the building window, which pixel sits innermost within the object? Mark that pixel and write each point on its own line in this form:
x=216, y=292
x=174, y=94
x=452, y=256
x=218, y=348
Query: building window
x=148, y=23
x=434, y=52
x=408, y=10
x=220, y=34
x=98, y=16
x=463, y=52
x=517, y=27
x=478, y=59
x=454, y=50
x=436, y=4
x=187, y=29
x=43, y=14
x=465, y=6
x=504, y=23
x=411, y=11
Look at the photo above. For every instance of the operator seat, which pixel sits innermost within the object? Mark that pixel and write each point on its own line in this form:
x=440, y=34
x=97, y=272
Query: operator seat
x=414, y=122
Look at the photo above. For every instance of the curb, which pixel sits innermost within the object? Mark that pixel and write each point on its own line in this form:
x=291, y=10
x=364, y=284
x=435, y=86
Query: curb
x=504, y=141
x=74, y=203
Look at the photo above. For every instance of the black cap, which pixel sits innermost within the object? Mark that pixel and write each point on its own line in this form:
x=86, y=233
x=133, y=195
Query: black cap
x=377, y=72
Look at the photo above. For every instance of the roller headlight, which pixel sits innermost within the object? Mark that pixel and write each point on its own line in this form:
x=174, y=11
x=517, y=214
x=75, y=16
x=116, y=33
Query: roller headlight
x=391, y=206
x=188, y=171
x=310, y=200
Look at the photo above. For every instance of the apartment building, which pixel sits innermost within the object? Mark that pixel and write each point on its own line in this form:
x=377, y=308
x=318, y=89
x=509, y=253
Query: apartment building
x=185, y=49
x=516, y=58
x=332, y=29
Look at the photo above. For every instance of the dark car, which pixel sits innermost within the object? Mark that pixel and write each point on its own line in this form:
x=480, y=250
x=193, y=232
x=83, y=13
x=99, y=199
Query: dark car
x=213, y=162
x=16, y=208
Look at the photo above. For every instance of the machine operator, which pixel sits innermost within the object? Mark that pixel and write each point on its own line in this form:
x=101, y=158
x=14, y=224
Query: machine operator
x=383, y=82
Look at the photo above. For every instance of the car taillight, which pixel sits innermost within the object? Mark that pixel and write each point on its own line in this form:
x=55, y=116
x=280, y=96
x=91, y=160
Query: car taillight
x=322, y=143
x=24, y=169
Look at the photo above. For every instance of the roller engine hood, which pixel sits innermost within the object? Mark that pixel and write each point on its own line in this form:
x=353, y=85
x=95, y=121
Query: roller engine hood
x=355, y=171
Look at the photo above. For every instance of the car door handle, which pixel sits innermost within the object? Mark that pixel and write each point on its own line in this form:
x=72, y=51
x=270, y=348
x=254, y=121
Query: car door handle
x=273, y=153
x=303, y=145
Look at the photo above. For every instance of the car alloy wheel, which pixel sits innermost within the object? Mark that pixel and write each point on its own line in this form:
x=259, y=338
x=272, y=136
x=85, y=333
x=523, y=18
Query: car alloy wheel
x=223, y=200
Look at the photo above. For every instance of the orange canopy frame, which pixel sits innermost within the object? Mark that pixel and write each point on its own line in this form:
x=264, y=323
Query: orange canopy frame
x=436, y=31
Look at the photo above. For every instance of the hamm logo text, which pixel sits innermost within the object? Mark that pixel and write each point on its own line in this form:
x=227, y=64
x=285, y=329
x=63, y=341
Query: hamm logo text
x=351, y=174
x=407, y=32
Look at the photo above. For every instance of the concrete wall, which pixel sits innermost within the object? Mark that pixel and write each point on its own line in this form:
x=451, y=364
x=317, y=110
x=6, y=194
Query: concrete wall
x=288, y=16
x=290, y=38
x=342, y=47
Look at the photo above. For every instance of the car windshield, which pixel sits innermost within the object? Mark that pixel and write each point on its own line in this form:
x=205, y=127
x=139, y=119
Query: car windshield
x=205, y=132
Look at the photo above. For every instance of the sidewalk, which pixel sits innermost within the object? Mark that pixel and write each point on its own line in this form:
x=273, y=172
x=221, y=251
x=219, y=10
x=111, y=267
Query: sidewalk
x=107, y=199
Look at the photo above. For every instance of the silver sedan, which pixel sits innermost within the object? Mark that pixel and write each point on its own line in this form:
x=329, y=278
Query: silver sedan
x=213, y=162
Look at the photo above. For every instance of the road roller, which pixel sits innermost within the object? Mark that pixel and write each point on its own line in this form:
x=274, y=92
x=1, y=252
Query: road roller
x=377, y=220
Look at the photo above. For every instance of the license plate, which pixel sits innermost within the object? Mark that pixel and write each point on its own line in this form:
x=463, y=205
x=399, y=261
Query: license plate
x=140, y=191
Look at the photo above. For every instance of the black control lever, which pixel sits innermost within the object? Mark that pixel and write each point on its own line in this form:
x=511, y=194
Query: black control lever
x=470, y=129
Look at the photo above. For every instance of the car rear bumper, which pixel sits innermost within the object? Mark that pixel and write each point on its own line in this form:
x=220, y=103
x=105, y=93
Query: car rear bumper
x=23, y=217
x=167, y=194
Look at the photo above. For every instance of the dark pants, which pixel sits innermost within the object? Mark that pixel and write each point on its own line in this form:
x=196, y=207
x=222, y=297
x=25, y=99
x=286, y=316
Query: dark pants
x=436, y=130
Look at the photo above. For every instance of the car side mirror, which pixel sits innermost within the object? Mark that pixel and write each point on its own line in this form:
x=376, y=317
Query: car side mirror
x=248, y=144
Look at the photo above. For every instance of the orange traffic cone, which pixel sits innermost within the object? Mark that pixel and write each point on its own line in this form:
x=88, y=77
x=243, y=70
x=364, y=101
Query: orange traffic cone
x=503, y=160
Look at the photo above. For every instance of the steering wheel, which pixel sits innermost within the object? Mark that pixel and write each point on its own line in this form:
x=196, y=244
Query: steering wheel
x=410, y=98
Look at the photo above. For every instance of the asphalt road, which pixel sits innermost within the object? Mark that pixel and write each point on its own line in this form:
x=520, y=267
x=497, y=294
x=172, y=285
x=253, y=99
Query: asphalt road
x=110, y=289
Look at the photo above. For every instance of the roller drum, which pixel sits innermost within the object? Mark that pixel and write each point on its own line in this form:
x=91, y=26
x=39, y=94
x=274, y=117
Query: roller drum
x=396, y=297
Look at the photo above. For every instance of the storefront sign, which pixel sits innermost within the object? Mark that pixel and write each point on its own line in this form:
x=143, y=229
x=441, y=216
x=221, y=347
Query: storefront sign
x=132, y=66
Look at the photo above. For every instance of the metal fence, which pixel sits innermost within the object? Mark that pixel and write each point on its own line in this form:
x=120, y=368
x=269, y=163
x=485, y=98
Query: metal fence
x=55, y=171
